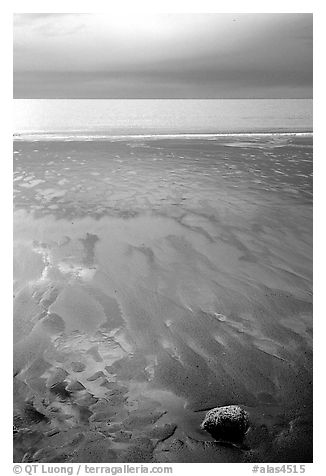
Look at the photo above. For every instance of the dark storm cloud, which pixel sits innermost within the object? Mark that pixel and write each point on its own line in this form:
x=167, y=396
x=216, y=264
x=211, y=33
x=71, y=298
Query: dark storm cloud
x=170, y=56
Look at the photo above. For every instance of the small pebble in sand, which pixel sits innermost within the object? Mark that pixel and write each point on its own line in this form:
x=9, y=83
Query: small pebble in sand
x=228, y=423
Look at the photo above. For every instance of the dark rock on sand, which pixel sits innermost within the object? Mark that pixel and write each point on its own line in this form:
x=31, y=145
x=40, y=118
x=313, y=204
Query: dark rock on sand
x=228, y=423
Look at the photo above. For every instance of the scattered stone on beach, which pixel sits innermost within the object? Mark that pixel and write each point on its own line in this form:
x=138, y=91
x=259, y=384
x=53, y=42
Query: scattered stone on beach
x=228, y=423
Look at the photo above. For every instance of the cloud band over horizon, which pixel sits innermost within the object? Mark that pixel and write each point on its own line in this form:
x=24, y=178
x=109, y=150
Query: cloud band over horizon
x=163, y=56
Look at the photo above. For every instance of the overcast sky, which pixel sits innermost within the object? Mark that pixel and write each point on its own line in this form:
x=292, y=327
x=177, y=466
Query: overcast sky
x=163, y=56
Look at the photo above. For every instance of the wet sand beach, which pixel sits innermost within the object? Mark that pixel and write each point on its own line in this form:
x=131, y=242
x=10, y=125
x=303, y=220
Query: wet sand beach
x=155, y=280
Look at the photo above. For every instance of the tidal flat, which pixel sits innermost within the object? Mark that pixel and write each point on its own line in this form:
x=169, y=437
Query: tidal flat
x=155, y=280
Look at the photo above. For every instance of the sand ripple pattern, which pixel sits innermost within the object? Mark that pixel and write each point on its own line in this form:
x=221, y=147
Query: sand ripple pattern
x=157, y=280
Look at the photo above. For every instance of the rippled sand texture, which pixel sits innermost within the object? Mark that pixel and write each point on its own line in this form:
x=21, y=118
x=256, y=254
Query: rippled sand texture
x=156, y=280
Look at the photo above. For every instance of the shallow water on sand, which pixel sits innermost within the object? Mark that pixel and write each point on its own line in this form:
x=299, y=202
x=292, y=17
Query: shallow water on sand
x=155, y=280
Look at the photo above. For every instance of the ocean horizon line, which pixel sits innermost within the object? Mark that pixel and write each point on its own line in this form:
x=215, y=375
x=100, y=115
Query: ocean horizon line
x=55, y=136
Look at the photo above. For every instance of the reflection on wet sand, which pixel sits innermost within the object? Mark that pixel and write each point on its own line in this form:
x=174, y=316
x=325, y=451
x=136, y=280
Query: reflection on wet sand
x=154, y=281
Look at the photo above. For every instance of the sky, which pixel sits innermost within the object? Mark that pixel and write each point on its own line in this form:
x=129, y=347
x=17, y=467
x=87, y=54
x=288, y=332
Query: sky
x=209, y=55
